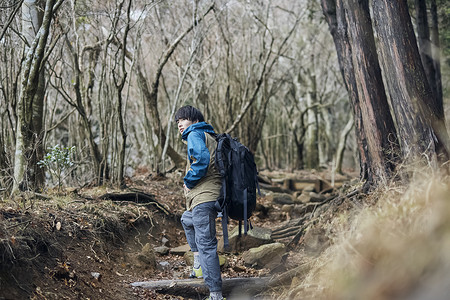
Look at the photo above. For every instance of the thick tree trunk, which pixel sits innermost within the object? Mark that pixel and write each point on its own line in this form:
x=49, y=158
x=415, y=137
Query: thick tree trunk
x=36, y=28
x=417, y=113
x=378, y=123
x=335, y=15
x=353, y=38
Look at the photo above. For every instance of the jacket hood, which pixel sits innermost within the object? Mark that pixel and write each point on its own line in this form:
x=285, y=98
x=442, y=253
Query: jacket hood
x=200, y=126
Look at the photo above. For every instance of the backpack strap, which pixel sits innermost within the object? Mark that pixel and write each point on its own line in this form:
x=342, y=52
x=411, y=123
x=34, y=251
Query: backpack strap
x=219, y=156
x=226, y=242
x=257, y=185
x=245, y=211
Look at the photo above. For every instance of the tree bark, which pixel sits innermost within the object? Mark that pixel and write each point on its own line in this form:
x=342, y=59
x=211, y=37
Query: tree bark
x=420, y=125
x=335, y=16
x=353, y=37
x=380, y=132
x=120, y=83
x=424, y=43
x=312, y=123
x=29, y=133
x=435, y=51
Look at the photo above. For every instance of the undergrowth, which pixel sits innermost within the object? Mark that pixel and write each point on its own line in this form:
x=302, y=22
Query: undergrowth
x=397, y=247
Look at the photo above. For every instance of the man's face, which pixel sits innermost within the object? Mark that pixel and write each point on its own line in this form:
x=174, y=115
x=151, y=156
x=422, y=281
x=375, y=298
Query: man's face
x=183, y=124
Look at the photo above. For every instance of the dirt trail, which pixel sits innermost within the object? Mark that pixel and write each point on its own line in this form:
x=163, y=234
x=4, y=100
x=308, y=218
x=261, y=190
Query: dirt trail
x=81, y=245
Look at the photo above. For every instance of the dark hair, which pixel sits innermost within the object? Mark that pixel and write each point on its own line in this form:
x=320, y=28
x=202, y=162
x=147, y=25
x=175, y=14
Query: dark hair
x=189, y=113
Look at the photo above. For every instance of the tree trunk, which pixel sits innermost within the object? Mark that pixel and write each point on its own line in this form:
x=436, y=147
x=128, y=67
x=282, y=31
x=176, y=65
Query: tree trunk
x=435, y=52
x=27, y=174
x=151, y=105
x=417, y=113
x=373, y=163
x=151, y=93
x=341, y=146
x=312, y=126
x=99, y=166
x=299, y=164
x=378, y=123
x=424, y=43
x=335, y=16
x=120, y=83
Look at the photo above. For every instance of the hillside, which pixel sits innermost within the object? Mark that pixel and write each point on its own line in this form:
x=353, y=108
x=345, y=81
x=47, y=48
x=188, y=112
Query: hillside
x=94, y=242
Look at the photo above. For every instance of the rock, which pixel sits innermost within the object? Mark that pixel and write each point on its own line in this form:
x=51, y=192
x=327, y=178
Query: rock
x=161, y=250
x=303, y=198
x=265, y=256
x=296, y=194
x=255, y=237
x=164, y=265
x=147, y=257
x=96, y=275
x=180, y=250
x=287, y=208
x=58, y=226
x=164, y=241
x=282, y=198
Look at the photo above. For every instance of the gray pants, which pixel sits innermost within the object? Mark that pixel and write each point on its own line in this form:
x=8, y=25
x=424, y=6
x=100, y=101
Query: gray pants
x=200, y=229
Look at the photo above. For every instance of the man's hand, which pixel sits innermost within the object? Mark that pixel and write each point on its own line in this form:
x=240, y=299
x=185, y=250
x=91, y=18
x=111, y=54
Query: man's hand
x=186, y=188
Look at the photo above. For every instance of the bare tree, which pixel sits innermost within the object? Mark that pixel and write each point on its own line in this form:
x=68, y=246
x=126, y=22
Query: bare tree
x=151, y=93
x=36, y=29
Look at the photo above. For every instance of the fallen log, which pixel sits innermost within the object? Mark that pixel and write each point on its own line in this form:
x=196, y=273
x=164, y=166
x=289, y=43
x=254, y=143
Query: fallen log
x=194, y=287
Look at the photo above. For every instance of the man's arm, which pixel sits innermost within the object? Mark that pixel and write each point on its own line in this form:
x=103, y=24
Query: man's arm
x=199, y=157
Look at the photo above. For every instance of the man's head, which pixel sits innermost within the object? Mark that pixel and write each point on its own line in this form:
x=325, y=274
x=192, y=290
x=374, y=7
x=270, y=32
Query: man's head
x=189, y=113
x=186, y=116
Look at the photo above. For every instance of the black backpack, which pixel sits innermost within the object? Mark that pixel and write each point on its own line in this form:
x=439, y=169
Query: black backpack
x=236, y=165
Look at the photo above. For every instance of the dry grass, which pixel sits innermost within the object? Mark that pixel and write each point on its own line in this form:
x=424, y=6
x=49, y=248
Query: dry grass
x=398, y=248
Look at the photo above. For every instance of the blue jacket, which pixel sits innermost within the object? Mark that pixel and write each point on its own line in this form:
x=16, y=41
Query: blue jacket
x=198, y=153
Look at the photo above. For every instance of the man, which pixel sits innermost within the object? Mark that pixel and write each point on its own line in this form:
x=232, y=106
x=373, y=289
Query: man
x=202, y=184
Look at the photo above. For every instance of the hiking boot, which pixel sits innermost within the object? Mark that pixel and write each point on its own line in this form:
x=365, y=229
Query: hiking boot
x=196, y=273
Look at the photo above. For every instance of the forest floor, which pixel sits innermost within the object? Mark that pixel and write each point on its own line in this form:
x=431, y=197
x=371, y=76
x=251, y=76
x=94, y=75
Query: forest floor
x=83, y=244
